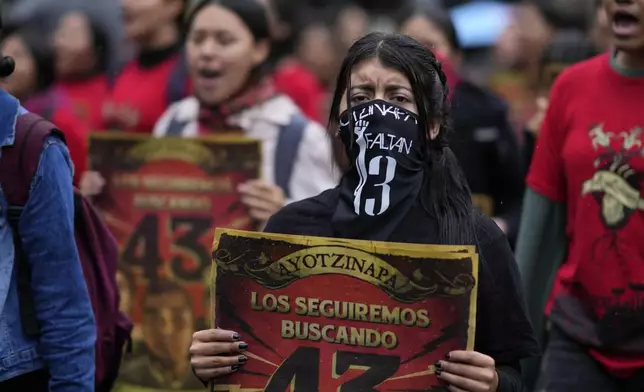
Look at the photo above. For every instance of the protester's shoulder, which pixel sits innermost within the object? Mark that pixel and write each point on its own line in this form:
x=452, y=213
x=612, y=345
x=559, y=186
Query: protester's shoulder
x=186, y=107
x=184, y=111
x=577, y=75
x=304, y=217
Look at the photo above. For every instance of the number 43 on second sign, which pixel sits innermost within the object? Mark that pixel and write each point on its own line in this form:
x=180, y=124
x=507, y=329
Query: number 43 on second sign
x=188, y=254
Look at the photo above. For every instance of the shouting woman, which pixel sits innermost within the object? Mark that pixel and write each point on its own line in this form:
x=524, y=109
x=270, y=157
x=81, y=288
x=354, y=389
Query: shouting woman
x=227, y=48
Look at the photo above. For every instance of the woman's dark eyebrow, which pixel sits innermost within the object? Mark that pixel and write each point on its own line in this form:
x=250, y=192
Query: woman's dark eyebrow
x=371, y=87
x=363, y=86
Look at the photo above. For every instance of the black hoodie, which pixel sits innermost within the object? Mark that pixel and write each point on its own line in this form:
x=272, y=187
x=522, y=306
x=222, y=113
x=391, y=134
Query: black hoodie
x=486, y=147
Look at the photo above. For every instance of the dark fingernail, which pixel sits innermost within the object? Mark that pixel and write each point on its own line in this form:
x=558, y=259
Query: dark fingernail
x=235, y=368
x=438, y=372
x=242, y=359
x=438, y=365
x=243, y=346
x=236, y=336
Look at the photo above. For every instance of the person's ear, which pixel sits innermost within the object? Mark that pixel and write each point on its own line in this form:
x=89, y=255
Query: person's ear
x=261, y=52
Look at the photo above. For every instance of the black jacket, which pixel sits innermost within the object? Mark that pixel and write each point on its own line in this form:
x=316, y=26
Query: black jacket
x=488, y=152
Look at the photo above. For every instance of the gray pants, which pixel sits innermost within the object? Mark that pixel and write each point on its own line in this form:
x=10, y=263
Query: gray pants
x=567, y=367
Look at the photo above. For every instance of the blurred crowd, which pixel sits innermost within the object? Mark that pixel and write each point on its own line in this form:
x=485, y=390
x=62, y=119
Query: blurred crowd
x=127, y=66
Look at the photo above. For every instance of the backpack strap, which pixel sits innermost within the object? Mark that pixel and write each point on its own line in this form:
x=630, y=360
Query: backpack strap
x=288, y=144
x=176, y=88
x=18, y=165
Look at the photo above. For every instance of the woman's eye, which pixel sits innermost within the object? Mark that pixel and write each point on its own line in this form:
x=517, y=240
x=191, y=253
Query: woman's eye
x=401, y=99
x=359, y=98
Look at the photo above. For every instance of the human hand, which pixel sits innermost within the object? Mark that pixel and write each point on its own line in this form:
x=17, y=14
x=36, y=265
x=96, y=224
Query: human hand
x=91, y=183
x=216, y=353
x=468, y=371
x=261, y=198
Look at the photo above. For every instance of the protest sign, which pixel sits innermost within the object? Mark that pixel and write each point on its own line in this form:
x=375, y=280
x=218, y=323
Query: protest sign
x=323, y=314
x=161, y=200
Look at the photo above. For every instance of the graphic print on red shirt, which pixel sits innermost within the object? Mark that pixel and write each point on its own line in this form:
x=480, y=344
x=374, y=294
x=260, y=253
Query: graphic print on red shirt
x=590, y=156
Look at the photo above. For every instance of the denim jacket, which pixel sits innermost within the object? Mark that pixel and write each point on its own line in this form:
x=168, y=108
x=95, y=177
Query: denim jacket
x=68, y=332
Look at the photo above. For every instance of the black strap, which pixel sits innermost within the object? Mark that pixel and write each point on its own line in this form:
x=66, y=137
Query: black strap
x=176, y=88
x=175, y=127
x=288, y=144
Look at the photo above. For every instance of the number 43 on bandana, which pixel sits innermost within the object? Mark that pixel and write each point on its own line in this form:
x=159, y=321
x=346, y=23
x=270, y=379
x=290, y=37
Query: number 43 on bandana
x=324, y=314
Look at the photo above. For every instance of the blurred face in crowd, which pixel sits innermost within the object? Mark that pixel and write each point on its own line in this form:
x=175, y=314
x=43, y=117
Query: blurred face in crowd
x=370, y=80
x=142, y=19
x=351, y=25
x=222, y=54
x=73, y=43
x=427, y=33
x=23, y=80
x=524, y=38
x=626, y=21
x=317, y=52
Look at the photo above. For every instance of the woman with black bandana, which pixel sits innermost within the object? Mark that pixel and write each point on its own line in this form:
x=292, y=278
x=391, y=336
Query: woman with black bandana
x=404, y=185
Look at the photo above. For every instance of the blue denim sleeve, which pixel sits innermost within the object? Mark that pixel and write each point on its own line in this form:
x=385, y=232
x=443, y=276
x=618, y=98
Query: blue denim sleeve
x=62, y=300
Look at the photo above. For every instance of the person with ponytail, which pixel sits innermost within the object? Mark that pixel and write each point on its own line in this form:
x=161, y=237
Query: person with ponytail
x=390, y=106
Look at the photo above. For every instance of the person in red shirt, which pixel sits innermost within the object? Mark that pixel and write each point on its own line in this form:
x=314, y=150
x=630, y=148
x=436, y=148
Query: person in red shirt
x=290, y=76
x=147, y=85
x=585, y=208
x=32, y=82
x=81, y=54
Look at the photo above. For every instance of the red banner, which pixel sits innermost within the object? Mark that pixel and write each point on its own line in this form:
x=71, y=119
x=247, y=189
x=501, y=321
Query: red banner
x=162, y=199
x=328, y=315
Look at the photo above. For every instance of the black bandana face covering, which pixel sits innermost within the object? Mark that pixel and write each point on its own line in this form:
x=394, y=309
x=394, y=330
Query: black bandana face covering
x=386, y=174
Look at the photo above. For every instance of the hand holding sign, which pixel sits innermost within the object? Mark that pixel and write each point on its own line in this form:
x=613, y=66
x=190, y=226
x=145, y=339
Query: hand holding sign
x=261, y=198
x=216, y=352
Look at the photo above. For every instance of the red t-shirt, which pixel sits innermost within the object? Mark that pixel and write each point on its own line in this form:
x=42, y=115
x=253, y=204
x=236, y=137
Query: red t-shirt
x=139, y=97
x=302, y=86
x=87, y=97
x=590, y=156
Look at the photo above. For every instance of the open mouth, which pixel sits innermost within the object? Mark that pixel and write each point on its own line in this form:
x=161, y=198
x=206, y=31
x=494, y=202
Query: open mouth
x=209, y=73
x=625, y=24
x=209, y=78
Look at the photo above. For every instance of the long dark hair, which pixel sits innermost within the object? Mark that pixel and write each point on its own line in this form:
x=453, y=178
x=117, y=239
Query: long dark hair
x=446, y=195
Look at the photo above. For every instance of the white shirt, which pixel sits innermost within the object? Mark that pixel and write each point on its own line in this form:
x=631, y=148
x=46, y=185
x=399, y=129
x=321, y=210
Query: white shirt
x=314, y=169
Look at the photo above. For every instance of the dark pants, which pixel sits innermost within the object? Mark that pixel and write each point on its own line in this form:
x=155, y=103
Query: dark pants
x=37, y=381
x=568, y=367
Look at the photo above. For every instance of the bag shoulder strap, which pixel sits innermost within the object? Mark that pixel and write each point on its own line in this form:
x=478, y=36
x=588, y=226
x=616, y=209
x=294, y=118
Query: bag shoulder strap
x=18, y=165
x=288, y=144
x=176, y=88
x=23, y=157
